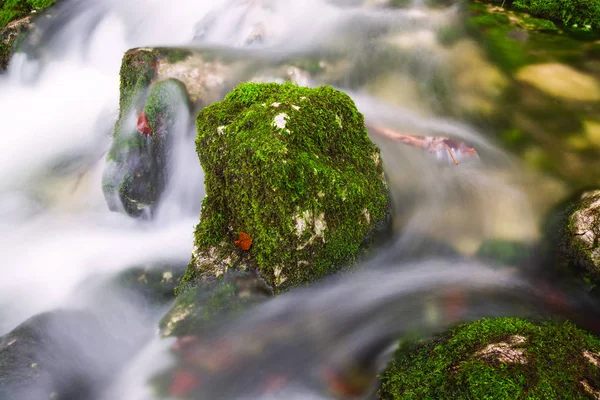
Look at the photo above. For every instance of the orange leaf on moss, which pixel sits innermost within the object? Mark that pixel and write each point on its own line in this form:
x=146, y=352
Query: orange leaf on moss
x=244, y=242
x=143, y=126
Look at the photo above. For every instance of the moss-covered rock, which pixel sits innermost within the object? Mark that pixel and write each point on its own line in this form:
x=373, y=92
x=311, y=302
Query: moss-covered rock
x=11, y=10
x=16, y=18
x=196, y=309
x=137, y=166
x=503, y=358
x=294, y=169
x=582, y=14
x=572, y=237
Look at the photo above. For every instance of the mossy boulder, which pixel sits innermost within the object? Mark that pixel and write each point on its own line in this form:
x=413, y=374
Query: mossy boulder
x=16, y=17
x=138, y=161
x=573, y=234
x=294, y=169
x=502, y=358
x=197, y=309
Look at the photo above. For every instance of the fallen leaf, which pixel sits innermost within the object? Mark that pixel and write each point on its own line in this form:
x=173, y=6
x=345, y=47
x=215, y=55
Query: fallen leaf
x=143, y=126
x=244, y=242
x=442, y=148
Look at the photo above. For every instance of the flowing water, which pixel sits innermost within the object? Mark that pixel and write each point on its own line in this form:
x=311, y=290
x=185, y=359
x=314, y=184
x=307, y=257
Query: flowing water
x=61, y=246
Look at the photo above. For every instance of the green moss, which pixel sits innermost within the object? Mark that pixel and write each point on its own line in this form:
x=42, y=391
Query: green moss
x=540, y=24
x=310, y=194
x=399, y=3
x=579, y=13
x=138, y=69
x=13, y=9
x=493, y=31
x=451, y=366
x=172, y=55
x=11, y=37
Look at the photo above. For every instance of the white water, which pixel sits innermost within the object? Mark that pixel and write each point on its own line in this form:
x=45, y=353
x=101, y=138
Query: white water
x=57, y=233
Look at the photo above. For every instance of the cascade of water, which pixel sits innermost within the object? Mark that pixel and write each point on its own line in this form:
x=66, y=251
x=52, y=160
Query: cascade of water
x=59, y=103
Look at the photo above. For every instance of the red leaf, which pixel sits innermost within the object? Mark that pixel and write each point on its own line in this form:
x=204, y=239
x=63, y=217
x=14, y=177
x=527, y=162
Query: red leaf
x=244, y=242
x=143, y=126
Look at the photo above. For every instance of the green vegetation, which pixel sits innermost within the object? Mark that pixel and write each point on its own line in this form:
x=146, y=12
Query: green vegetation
x=10, y=38
x=294, y=168
x=13, y=9
x=502, y=358
x=570, y=13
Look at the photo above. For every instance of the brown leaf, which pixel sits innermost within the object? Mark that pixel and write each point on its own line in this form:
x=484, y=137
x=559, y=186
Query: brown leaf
x=143, y=126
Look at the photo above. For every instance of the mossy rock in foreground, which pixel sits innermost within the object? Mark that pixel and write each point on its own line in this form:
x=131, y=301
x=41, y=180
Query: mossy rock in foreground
x=294, y=169
x=501, y=358
x=138, y=162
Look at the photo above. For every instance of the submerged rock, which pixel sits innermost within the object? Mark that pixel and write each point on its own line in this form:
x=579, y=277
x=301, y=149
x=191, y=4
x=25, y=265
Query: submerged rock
x=197, y=309
x=294, y=169
x=155, y=283
x=503, y=358
x=561, y=81
x=55, y=355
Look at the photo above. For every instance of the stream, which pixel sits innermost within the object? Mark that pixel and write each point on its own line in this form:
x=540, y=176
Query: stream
x=62, y=248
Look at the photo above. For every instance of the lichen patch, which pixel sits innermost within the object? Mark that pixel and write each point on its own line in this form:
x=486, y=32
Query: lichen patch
x=176, y=317
x=593, y=358
x=279, y=277
x=367, y=215
x=588, y=388
x=167, y=277
x=280, y=120
x=505, y=352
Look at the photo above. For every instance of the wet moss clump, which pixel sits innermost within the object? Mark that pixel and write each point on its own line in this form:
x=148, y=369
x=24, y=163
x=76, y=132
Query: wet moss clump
x=137, y=163
x=293, y=168
x=501, y=358
x=582, y=14
x=15, y=20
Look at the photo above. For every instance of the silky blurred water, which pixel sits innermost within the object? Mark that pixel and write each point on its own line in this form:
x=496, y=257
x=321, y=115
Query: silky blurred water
x=59, y=103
